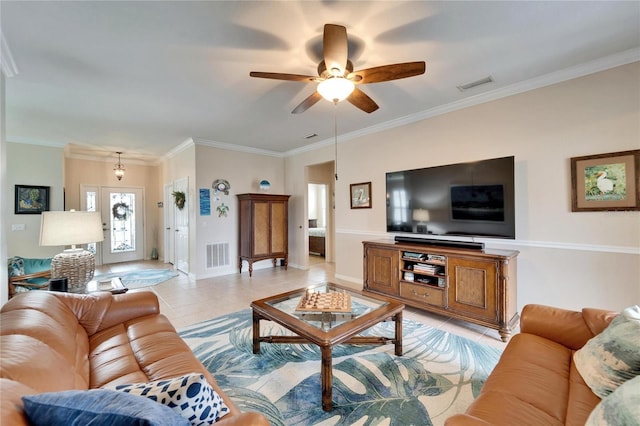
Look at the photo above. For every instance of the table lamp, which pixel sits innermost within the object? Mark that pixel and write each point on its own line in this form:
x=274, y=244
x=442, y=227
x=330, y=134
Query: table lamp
x=68, y=228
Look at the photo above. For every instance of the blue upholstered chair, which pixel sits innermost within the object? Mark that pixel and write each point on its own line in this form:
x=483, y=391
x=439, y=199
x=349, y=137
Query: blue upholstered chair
x=28, y=274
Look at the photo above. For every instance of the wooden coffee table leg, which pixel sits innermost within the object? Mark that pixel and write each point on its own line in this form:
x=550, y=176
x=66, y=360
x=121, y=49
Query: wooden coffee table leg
x=326, y=374
x=256, y=333
x=398, y=342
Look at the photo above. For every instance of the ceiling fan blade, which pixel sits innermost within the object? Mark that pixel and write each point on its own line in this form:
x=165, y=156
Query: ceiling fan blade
x=280, y=76
x=335, y=47
x=362, y=101
x=387, y=72
x=307, y=103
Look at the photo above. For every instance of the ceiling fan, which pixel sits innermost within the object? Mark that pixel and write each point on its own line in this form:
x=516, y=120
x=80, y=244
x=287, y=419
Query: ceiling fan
x=336, y=78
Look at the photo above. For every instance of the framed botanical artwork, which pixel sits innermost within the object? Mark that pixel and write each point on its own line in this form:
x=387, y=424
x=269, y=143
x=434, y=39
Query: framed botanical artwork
x=606, y=182
x=361, y=195
x=31, y=199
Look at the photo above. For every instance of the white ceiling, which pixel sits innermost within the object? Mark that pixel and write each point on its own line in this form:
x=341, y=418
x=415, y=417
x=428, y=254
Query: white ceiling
x=144, y=77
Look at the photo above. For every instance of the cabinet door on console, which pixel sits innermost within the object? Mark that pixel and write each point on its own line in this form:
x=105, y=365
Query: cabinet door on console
x=382, y=270
x=473, y=287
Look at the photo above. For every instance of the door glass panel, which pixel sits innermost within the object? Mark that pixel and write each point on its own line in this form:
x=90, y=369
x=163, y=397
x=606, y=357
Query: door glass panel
x=91, y=207
x=123, y=222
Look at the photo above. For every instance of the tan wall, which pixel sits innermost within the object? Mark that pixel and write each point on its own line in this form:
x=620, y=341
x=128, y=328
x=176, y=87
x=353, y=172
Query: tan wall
x=100, y=173
x=567, y=259
x=31, y=165
x=244, y=171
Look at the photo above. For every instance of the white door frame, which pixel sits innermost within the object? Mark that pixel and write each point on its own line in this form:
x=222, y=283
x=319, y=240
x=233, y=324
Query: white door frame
x=169, y=253
x=181, y=220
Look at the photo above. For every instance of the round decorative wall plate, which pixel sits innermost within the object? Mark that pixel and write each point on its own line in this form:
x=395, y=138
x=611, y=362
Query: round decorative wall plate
x=221, y=185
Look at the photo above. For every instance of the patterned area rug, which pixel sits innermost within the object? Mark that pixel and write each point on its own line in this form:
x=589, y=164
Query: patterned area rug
x=438, y=375
x=141, y=277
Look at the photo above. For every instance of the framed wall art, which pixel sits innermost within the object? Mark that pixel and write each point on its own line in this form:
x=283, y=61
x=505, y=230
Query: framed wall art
x=31, y=199
x=606, y=182
x=361, y=195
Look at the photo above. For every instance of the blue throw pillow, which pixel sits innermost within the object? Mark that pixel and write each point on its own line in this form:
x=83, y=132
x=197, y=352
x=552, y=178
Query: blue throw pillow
x=97, y=407
x=190, y=396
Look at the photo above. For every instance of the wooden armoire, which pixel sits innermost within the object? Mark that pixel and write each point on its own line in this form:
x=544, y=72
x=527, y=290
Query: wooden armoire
x=263, y=229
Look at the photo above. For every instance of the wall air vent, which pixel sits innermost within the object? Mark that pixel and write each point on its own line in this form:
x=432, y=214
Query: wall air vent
x=217, y=254
x=476, y=83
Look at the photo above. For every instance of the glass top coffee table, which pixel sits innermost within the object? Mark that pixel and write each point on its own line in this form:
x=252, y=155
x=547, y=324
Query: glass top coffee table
x=327, y=326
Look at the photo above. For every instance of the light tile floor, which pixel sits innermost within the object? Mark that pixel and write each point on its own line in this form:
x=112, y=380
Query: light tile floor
x=185, y=301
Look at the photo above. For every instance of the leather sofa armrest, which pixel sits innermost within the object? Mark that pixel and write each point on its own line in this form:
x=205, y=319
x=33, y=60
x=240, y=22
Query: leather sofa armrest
x=562, y=326
x=125, y=307
x=101, y=310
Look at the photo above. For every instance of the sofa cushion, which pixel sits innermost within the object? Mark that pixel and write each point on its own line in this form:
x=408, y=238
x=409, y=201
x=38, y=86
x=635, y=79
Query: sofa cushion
x=612, y=357
x=96, y=407
x=189, y=396
x=621, y=407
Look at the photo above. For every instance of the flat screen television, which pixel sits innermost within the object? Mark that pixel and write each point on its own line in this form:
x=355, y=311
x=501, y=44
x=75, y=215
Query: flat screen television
x=467, y=199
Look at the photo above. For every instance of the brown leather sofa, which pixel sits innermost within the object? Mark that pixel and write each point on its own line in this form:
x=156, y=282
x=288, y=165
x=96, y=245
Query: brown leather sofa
x=54, y=341
x=535, y=382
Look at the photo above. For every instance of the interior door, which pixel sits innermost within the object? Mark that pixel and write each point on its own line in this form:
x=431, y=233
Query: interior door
x=123, y=223
x=169, y=234
x=182, y=228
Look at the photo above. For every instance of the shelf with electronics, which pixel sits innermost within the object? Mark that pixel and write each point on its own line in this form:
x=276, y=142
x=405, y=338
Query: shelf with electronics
x=477, y=286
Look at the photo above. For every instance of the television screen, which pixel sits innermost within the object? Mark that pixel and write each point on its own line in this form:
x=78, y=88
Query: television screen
x=466, y=199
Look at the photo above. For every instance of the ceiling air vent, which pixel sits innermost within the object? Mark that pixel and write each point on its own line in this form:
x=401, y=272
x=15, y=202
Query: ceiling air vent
x=476, y=83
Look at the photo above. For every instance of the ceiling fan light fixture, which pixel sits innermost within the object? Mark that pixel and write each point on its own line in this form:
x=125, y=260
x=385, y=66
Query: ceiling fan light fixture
x=335, y=89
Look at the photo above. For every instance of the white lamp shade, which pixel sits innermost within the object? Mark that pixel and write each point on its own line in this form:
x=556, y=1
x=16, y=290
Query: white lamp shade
x=421, y=215
x=335, y=89
x=66, y=228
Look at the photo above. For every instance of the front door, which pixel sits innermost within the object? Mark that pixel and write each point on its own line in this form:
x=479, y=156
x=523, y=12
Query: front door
x=123, y=223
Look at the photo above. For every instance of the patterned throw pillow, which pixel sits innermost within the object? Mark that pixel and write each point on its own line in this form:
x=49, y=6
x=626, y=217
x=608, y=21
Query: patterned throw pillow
x=622, y=407
x=191, y=396
x=613, y=356
x=16, y=266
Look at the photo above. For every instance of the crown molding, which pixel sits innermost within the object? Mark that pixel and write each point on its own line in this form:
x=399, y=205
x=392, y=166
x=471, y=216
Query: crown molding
x=623, y=58
x=178, y=149
x=7, y=64
x=241, y=148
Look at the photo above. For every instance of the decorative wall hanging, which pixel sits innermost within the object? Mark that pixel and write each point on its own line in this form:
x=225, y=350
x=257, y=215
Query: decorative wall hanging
x=31, y=199
x=205, y=202
x=361, y=195
x=606, y=182
x=180, y=198
x=223, y=210
x=221, y=185
x=120, y=211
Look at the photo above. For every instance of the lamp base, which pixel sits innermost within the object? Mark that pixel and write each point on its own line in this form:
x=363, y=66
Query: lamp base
x=77, y=265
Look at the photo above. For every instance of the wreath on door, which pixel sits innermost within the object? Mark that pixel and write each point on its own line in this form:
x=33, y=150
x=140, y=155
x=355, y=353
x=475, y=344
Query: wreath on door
x=120, y=211
x=180, y=198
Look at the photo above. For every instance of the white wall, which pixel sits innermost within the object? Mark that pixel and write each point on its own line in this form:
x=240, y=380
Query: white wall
x=4, y=291
x=244, y=171
x=567, y=259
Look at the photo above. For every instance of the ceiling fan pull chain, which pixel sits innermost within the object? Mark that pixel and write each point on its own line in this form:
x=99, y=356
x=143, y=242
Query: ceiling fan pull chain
x=335, y=133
